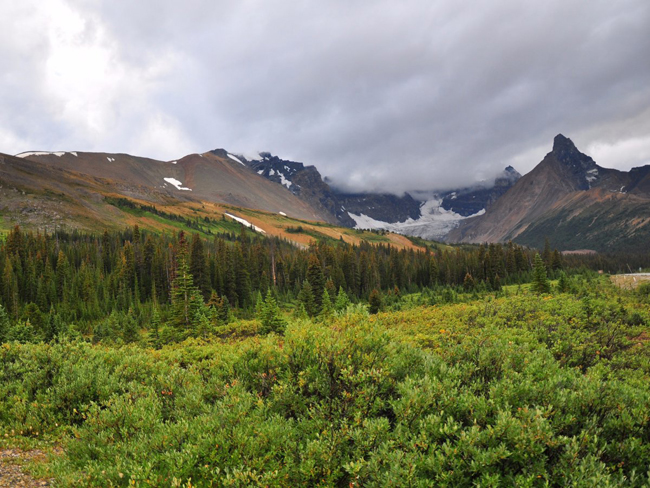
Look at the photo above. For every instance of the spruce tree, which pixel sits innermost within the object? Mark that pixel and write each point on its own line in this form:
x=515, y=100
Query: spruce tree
x=327, y=309
x=375, y=301
x=317, y=282
x=342, y=301
x=5, y=324
x=186, y=298
x=271, y=317
x=540, y=281
x=468, y=283
x=306, y=298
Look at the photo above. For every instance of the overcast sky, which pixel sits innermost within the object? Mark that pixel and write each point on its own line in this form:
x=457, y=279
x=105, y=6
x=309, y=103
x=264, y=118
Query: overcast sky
x=389, y=95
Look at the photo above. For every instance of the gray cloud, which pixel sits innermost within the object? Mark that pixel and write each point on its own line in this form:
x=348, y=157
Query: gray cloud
x=392, y=96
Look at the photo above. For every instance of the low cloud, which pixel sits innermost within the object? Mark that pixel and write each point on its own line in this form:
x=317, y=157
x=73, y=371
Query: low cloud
x=393, y=97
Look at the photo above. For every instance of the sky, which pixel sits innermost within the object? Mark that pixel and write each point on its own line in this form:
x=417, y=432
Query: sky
x=380, y=96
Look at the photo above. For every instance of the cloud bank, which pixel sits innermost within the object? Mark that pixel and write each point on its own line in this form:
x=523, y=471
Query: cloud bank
x=384, y=96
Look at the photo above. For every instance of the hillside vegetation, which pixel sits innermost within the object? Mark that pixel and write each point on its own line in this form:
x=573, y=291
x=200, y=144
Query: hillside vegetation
x=521, y=389
x=140, y=359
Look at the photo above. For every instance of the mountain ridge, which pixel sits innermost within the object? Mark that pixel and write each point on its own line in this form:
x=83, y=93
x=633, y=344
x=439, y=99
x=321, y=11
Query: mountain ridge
x=566, y=184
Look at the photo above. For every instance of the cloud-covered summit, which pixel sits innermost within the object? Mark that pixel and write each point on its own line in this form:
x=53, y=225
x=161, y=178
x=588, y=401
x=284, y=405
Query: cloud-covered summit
x=382, y=96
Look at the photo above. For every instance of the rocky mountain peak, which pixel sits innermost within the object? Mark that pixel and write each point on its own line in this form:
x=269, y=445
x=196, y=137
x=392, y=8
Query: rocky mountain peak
x=579, y=167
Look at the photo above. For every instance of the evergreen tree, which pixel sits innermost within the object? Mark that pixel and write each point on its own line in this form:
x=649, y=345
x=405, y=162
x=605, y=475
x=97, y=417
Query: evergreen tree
x=186, y=298
x=556, y=260
x=198, y=266
x=5, y=324
x=468, y=283
x=563, y=283
x=342, y=301
x=327, y=309
x=306, y=298
x=271, y=317
x=317, y=282
x=540, y=281
x=375, y=302
x=129, y=328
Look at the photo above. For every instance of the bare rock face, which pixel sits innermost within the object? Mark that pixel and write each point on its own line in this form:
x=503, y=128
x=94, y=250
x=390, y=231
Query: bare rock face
x=381, y=206
x=568, y=196
x=303, y=181
x=471, y=200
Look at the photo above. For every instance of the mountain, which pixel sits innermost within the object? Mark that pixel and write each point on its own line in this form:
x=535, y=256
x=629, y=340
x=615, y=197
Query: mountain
x=571, y=200
x=430, y=217
x=205, y=193
x=195, y=177
x=303, y=181
x=471, y=200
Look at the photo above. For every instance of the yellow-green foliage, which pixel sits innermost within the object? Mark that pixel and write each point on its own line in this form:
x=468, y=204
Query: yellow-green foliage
x=526, y=390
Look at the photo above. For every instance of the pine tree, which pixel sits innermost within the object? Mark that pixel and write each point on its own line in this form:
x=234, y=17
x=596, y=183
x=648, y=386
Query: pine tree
x=468, y=283
x=306, y=298
x=563, y=283
x=271, y=317
x=327, y=309
x=342, y=300
x=317, y=282
x=5, y=324
x=375, y=301
x=198, y=266
x=540, y=282
x=186, y=298
x=556, y=260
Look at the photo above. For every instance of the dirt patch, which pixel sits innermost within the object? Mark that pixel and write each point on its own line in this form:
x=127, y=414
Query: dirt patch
x=630, y=281
x=11, y=471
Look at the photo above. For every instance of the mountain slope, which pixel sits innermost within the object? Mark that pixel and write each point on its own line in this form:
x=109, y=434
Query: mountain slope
x=196, y=177
x=470, y=201
x=570, y=199
x=41, y=193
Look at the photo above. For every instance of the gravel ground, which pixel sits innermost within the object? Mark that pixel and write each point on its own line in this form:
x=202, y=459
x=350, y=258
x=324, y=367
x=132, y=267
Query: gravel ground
x=11, y=473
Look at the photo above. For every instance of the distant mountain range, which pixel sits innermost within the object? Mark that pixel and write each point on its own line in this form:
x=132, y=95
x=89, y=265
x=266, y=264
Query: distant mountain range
x=431, y=217
x=567, y=197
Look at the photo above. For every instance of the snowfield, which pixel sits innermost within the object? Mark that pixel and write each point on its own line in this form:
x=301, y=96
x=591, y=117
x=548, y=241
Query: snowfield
x=435, y=222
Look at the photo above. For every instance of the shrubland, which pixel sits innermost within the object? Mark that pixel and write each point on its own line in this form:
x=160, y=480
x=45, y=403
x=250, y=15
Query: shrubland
x=445, y=386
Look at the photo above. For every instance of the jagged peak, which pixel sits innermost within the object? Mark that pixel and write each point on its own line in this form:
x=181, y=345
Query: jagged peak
x=560, y=142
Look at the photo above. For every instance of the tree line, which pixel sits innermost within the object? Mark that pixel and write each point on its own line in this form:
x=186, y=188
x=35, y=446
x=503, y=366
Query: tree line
x=135, y=279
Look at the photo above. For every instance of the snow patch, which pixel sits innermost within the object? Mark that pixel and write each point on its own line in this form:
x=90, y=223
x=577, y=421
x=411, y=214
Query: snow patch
x=110, y=160
x=283, y=214
x=592, y=175
x=174, y=162
x=284, y=181
x=246, y=223
x=176, y=183
x=33, y=153
x=235, y=158
x=74, y=154
x=272, y=172
x=260, y=172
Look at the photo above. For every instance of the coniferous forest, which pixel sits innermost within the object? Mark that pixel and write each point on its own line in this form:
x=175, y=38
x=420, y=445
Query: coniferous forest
x=142, y=359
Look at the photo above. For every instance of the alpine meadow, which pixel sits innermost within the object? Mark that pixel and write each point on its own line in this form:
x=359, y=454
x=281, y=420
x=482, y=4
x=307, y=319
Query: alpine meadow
x=324, y=244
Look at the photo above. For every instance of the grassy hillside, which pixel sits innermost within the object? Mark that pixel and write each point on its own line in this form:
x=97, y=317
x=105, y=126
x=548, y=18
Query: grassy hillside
x=516, y=389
